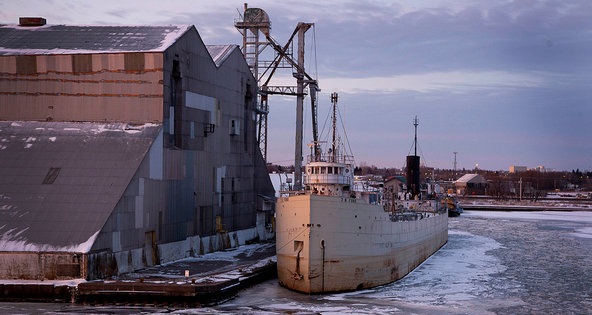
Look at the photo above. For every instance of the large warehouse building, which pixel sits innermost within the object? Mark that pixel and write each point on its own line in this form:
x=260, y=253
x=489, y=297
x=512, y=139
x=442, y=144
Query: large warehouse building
x=123, y=147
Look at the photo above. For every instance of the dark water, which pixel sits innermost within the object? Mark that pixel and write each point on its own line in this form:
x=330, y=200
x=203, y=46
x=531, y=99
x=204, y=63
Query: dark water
x=494, y=263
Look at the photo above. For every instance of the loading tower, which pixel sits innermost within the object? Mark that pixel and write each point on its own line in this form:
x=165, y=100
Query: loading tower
x=255, y=26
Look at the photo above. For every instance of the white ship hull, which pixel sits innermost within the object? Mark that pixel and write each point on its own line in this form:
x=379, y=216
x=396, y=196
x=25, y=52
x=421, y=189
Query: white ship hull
x=330, y=243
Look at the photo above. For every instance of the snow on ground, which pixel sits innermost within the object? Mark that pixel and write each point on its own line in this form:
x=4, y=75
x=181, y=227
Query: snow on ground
x=230, y=254
x=213, y=267
x=72, y=282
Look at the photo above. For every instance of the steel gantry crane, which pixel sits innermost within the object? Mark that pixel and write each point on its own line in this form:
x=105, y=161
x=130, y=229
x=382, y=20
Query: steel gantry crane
x=253, y=23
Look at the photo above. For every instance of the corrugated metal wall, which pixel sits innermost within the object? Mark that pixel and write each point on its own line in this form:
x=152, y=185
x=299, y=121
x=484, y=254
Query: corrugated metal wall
x=84, y=87
x=208, y=171
x=205, y=164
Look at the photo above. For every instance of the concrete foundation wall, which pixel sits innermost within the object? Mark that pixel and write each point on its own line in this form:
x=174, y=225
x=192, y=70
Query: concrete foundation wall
x=105, y=264
x=42, y=266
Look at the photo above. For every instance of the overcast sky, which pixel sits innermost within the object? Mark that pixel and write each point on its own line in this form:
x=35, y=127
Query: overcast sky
x=501, y=82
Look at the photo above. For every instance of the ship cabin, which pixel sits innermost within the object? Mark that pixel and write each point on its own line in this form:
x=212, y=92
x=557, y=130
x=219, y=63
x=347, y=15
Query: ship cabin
x=328, y=178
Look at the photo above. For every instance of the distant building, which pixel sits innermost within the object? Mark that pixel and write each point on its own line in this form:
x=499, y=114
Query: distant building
x=543, y=169
x=395, y=184
x=471, y=184
x=123, y=147
x=518, y=169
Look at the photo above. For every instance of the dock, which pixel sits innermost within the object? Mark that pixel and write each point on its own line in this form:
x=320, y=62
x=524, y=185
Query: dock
x=206, y=280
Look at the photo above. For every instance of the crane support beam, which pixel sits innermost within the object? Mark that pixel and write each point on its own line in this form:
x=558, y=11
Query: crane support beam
x=282, y=90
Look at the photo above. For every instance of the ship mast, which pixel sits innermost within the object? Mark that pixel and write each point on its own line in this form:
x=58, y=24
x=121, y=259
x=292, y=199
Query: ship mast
x=334, y=102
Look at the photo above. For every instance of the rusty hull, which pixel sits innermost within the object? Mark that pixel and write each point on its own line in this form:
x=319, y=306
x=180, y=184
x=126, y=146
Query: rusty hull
x=362, y=247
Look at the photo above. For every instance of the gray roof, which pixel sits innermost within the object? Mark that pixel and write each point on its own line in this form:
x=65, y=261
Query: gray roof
x=59, y=181
x=74, y=39
x=219, y=53
x=471, y=178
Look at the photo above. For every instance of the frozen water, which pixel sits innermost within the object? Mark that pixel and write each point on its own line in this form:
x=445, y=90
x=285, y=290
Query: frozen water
x=585, y=232
x=579, y=216
x=493, y=263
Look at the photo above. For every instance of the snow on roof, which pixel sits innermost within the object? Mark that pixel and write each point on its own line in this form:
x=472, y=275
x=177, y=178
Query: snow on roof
x=399, y=178
x=470, y=178
x=219, y=53
x=79, y=39
x=60, y=181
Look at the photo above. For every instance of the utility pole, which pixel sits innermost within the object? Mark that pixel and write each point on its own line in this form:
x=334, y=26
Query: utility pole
x=520, y=188
x=455, y=153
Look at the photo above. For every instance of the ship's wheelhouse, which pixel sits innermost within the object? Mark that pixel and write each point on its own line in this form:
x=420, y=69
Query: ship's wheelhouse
x=328, y=178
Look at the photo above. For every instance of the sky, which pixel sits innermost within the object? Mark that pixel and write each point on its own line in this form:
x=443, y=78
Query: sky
x=500, y=82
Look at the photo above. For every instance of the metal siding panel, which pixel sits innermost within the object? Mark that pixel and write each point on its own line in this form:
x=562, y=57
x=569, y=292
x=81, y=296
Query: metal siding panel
x=8, y=64
x=42, y=64
x=82, y=63
x=26, y=65
x=97, y=62
x=134, y=61
x=63, y=63
x=73, y=217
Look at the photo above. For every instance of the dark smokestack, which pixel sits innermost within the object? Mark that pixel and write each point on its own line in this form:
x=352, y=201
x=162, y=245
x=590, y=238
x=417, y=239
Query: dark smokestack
x=413, y=175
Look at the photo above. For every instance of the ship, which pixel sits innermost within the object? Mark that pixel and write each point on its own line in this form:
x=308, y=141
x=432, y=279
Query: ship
x=454, y=208
x=332, y=238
